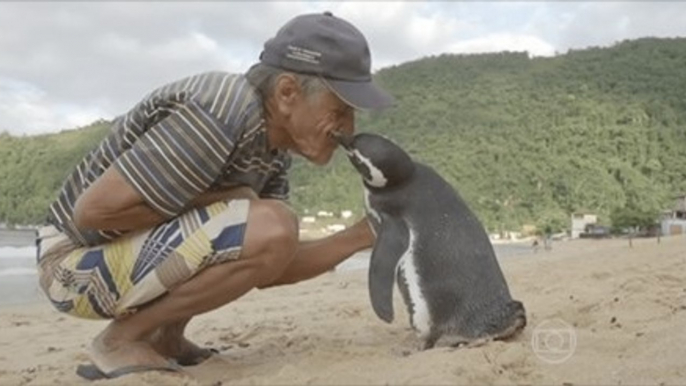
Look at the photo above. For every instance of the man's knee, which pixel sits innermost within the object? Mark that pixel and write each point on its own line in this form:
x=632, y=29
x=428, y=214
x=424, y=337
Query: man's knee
x=271, y=235
x=273, y=221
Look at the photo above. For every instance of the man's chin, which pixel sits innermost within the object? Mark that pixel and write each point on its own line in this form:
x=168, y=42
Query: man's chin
x=321, y=161
x=318, y=159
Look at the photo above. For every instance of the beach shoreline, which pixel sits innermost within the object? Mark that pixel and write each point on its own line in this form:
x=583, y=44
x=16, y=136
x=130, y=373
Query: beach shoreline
x=19, y=281
x=17, y=237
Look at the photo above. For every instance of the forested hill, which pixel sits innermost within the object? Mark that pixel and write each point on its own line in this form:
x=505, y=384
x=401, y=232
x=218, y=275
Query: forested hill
x=525, y=141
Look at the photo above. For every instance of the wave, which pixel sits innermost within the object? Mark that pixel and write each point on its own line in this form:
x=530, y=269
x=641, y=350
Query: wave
x=17, y=252
x=18, y=272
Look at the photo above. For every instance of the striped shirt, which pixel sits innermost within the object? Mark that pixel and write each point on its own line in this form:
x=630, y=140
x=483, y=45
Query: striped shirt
x=202, y=133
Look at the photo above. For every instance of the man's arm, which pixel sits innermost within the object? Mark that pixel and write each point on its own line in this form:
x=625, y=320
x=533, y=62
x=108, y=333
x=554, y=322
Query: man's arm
x=319, y=256
x=111, y=203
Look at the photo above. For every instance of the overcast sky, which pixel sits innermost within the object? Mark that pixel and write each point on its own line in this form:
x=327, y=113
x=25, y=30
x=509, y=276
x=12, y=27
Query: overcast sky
x=65, y=64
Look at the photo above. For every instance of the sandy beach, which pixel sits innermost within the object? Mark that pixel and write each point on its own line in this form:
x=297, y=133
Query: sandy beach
x=599, y=313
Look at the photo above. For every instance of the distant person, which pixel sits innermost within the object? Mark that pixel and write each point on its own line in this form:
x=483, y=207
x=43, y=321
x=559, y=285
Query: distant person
x=181, y=210
x=548, y=240
x=535, y=245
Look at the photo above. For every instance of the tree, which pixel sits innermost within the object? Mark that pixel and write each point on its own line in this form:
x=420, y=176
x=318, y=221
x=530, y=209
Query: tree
x=632, y=219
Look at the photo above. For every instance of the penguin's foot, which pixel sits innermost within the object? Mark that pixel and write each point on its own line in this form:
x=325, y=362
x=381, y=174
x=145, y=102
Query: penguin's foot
x=473, y=343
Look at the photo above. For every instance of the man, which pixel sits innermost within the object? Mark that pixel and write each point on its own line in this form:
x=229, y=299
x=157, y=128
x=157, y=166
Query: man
x=179, y=210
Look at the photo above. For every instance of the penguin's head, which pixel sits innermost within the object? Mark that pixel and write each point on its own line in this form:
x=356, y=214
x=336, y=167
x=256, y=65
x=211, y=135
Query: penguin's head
x=382, y=163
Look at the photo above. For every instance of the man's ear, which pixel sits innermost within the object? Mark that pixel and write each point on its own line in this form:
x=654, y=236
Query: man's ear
x=286, y=91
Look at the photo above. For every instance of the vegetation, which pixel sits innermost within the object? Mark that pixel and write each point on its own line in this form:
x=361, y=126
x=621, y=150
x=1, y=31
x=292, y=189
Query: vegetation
x=631, y=220
x=32, y=170
x=524, y=141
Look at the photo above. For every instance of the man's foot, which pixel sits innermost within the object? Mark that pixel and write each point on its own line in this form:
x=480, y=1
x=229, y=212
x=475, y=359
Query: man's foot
x=114, y=356
x=175, y=346
x=93, y=373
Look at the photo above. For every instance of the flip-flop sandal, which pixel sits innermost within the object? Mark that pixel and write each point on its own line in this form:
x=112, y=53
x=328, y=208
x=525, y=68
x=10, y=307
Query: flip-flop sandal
x=198, y=359
x=93, y=373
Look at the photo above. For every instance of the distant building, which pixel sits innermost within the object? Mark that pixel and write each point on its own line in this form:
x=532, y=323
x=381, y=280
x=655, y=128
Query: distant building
x=335, y=227
x=580, y=221
x=674, y=220
x=308, y=219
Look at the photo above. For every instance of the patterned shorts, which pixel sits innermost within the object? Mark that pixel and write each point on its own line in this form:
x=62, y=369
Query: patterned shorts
x=114, y=279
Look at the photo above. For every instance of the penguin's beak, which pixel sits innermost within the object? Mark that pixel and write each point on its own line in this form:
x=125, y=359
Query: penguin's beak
x=343, y=139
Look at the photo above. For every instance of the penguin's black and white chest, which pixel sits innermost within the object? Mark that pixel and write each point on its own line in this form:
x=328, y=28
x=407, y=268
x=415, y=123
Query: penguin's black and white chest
x=399, y=230
x=372, y=212
x=410, y=284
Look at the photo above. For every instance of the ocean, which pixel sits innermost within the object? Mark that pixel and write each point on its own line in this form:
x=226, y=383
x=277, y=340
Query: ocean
x=19, y=281
x=18, y=278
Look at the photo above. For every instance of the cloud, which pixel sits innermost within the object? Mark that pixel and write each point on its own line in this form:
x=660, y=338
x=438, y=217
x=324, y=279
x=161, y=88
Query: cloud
x=26, y=109
x=586, y=24
x=70, y=56
x=401, y=31
x=535, y=46
x=114, y=53
x=64, y=62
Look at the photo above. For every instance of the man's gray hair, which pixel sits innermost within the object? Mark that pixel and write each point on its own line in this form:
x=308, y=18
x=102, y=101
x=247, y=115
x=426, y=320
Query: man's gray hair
x=263, y=78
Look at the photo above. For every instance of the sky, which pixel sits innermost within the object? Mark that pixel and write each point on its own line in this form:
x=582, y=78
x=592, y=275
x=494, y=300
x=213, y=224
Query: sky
x=67, y=64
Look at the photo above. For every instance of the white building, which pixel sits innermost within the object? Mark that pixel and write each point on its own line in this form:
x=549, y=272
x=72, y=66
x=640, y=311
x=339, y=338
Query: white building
x=580, y=221
x=335, y=227
x=308, y=219
x=674, y=221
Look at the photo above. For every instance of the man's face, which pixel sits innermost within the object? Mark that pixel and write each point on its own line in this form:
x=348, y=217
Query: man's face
x=312, y=121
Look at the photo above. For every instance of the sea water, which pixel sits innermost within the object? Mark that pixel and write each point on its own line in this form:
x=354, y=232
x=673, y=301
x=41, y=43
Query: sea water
x=18, y=278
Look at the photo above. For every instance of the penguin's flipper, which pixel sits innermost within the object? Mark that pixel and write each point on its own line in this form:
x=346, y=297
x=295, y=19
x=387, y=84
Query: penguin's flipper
x=391, y=243
x=374, y=222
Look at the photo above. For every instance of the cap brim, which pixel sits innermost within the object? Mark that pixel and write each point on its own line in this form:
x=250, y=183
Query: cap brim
x=361, y=95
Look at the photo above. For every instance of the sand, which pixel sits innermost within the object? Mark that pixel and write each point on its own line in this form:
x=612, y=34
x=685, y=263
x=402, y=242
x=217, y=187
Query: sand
x=611, y=315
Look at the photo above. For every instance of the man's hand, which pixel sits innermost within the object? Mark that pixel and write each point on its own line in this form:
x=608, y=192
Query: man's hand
x=318, y=256
x=363, y=231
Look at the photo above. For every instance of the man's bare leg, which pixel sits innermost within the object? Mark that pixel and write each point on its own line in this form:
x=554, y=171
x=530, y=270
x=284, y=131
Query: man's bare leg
x=312, y=259
x=269, y=246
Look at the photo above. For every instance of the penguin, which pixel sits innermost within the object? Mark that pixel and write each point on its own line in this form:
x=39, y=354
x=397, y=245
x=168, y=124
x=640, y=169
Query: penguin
x=430, y=243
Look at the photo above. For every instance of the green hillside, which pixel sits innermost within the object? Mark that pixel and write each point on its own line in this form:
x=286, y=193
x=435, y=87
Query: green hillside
x=525, y=141
x=32, y=169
